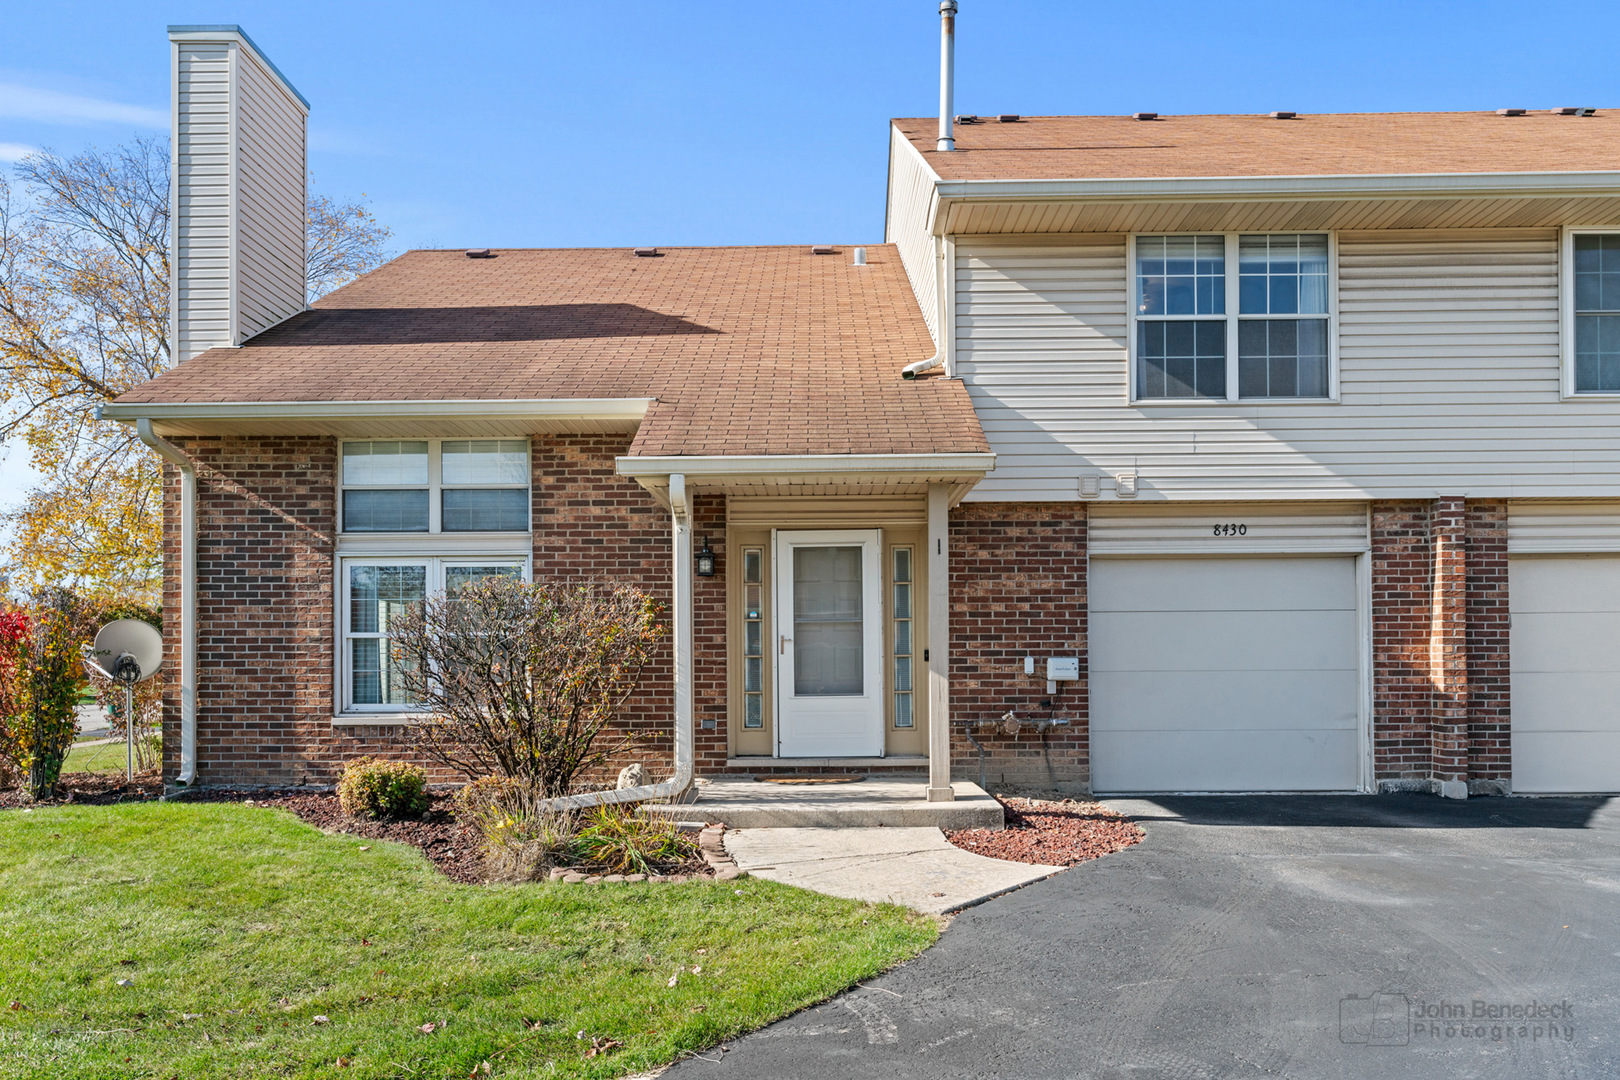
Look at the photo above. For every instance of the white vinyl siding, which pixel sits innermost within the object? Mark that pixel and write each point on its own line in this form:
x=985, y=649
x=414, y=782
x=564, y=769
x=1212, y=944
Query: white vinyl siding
x=1565, y=669
x=271, y=199
x=1575, y=526
x=1449, y=379
x=1124, y=528
x=911, y=191
x=201, y=198
x=238, y=202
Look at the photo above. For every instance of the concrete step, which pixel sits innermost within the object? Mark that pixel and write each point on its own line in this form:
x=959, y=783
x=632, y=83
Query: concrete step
x=869, y=803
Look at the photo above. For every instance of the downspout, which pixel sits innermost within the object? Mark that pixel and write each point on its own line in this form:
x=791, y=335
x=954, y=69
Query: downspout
x=188, y=597
x=680, y=507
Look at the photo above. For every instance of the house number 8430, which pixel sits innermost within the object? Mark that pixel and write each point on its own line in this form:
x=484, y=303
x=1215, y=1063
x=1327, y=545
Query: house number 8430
x=1231, y=530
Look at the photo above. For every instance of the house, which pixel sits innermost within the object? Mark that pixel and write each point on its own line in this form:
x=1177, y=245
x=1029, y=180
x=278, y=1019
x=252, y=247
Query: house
x=1243, y=453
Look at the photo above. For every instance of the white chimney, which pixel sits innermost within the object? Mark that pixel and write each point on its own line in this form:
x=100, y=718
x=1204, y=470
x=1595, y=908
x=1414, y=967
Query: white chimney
x=947, y=72
x=238, y=191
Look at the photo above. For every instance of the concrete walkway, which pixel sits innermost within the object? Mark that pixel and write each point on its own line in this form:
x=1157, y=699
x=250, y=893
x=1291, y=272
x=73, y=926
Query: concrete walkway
x=917, y=868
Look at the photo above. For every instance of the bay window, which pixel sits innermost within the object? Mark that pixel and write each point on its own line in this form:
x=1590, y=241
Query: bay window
x=1204, y=333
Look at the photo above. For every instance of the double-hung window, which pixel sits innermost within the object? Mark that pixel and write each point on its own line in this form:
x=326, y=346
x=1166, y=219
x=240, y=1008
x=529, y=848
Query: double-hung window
x=1595, y=259
x=419, y=517
x=1230, y=317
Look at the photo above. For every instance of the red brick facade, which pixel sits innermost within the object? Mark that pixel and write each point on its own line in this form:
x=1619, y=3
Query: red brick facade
x=1018, y=587
x=267, y=519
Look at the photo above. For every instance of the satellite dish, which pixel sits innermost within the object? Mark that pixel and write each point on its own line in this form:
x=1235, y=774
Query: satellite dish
x=130, y=650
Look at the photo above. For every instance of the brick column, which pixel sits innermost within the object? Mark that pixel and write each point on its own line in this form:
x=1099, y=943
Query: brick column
x=1448, y=646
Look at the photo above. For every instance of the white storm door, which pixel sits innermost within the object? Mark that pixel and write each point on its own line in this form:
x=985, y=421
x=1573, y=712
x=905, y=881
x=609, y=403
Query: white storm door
x=829, y=643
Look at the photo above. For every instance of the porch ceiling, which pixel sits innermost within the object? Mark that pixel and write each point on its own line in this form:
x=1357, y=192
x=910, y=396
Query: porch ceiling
x=875, y=475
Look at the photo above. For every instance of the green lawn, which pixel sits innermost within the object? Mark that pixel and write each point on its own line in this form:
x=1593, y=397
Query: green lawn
x=105, y=758
x=239, y=926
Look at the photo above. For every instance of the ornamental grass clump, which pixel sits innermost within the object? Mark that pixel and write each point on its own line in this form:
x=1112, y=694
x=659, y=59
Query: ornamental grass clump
x=378, y=789
x=627, y=840
x=525, y=680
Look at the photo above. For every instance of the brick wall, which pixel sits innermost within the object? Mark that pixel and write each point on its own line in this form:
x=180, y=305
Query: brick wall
x=1017, y=587
x=1489, y=696
x=267, y=511
x=1441, y=699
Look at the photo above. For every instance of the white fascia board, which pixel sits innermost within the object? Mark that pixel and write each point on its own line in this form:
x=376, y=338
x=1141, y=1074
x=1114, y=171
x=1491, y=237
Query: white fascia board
x=1415, y=185
x=624, y=409
x=233, y=34
x=808, y=465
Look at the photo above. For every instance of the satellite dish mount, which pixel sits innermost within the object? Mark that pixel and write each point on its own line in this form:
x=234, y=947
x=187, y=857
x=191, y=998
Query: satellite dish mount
x=127, y=651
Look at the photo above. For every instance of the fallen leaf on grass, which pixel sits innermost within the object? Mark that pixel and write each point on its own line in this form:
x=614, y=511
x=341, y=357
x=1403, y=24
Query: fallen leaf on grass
x=601, y=1044
x=429, y=1027
x=698, y=970
x=675, y=978
x=321, y=1019
x=365, y=847
x=191, y=1016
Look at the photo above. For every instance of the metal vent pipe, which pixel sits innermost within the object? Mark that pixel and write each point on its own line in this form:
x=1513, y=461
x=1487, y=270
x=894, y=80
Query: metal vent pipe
x=947, y=72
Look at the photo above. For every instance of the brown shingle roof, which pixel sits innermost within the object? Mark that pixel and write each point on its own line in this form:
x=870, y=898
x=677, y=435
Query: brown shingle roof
x=749, y=350
x=1118, y=147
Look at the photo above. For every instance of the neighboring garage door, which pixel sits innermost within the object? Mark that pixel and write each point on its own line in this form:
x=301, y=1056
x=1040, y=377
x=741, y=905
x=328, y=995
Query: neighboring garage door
x=1565, y=672
x=1224, y=674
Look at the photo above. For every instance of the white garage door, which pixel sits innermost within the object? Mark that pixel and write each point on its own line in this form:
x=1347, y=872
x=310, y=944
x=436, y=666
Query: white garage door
x=1566, y=672
x=1224, y=674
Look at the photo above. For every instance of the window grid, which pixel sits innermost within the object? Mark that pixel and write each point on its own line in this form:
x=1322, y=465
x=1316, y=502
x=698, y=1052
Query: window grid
x=376, y=590
x=753, y=614
x=904, y=644
x=1597, y=313
x=1268, y=337
x=434, y=485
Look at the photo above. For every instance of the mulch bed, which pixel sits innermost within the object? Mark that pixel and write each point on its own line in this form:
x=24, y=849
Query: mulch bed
x=1051, y=833
x=89, y=789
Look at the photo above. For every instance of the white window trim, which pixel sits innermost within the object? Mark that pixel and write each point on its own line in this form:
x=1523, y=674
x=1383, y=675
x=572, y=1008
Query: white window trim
x=435, y=488
x=348, y=713
x=1566, y=314
x=1232, y=317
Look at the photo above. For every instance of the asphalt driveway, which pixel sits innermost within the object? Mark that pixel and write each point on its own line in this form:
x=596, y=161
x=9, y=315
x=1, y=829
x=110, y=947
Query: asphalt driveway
x=1276, y=936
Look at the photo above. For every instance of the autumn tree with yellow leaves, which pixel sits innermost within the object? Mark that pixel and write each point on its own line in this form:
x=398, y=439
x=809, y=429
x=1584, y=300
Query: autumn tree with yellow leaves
x=84, y=316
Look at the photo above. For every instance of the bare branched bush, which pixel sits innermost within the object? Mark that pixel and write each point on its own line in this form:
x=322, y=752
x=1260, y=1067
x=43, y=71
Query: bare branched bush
x=524, y=680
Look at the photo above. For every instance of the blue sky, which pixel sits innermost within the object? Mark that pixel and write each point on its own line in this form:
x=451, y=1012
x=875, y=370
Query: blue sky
x=619, y=123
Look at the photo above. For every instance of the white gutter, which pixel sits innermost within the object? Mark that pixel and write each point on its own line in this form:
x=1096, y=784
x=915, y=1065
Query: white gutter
x=188, y=597
x=626, y=409
x=807, y=464
x=681, y=617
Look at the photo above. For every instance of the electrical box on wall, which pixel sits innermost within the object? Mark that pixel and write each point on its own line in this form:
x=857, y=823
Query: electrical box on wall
x=1062, y=668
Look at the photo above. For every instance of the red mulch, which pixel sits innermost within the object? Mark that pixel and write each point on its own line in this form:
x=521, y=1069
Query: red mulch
x=1051, y=833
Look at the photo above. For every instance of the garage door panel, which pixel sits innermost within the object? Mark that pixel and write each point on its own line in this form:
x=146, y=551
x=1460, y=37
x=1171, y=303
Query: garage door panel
x=1563, y=701
x=1565, y=672
x=1224, y=674
x=1564, y=584
x=1549, y=762
x=1228, y=761
x=1568, y=641
x=1222, y=640
x=1221, y=584
x=1227, y=700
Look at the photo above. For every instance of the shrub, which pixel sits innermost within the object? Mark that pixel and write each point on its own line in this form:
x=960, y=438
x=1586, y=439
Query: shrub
x=524, y=679
x=372, y=787
x=41, y=675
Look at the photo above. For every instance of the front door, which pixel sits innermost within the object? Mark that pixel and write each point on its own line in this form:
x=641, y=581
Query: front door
x=829, y=643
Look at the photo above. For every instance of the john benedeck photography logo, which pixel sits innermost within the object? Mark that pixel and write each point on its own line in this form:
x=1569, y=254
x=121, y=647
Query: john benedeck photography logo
x=1385, y=1019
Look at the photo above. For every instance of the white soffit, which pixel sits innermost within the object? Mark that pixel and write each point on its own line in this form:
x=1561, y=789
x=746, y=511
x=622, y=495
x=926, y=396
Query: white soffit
x=812, y=474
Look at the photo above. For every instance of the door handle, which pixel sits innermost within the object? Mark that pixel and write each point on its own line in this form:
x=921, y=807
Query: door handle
x=781, y=645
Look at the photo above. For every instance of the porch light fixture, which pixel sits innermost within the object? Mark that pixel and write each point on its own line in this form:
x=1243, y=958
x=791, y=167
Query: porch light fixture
x=705, y=560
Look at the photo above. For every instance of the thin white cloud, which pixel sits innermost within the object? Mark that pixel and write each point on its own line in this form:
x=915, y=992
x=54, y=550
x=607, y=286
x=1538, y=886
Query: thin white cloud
x=21, y=102
x=13, y=152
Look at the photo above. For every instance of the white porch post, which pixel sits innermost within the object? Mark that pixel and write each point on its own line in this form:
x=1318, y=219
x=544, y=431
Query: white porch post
x=939, y=630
